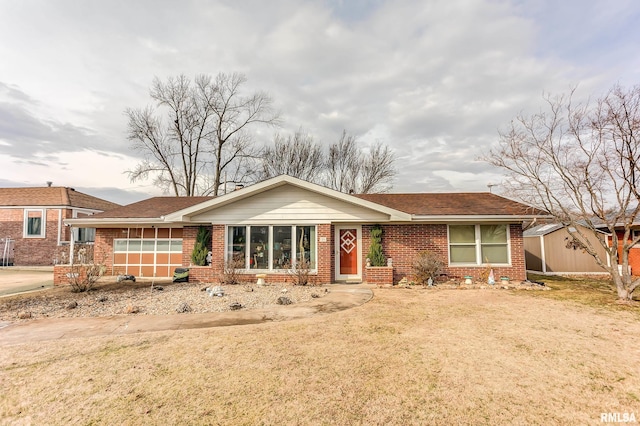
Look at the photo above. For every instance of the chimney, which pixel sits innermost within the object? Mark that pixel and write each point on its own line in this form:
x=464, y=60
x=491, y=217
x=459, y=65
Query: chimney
x=49, y=183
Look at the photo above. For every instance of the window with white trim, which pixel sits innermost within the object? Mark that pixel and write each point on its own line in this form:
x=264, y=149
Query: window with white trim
x=34, y=223
x=84, y=235
x=479, y=244
x=272, y=247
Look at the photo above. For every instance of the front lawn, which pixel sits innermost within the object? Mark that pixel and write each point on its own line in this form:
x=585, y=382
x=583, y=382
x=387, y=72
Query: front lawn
x=409, y=356
x=596, y=291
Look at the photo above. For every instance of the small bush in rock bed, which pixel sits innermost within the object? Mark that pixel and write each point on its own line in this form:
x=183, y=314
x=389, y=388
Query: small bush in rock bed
x=427, y=265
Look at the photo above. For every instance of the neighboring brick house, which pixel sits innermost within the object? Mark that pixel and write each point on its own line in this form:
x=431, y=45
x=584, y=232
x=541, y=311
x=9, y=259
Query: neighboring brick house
x=634, y=252
x=269, y=225
x=31, y=222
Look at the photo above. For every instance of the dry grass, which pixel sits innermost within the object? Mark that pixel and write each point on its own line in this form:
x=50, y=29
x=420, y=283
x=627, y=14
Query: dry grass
x=588, y=290
x=406, y=357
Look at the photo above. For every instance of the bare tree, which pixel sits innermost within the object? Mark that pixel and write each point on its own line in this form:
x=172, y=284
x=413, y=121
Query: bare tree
x=579, y=162
x=345, y=167
x=351, y=170
x=377, y=171
x=343, y=164
x=204, y=135
x=234, y=114
x=298, y=156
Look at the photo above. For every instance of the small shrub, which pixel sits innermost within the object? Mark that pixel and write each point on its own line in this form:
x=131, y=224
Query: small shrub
x=483, y=276
x=427, y=265
x=376, y=257
x=200, y=249
x=83, y=277
x=230, y=271
x=300, y=272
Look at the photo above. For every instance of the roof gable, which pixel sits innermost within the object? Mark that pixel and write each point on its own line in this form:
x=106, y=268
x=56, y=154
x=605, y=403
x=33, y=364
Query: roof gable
x=280, y=181
x=287, y=204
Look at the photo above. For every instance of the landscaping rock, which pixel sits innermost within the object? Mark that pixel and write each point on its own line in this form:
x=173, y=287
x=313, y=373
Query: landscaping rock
x=109, y=301
x=248, y=288
x=131, y=309
x=283, y=300
x=24, y=315
x=235, y=306
x=183, y=308
x=315, y=295
x=72, y=305
x=216, y=291
x=157, y=287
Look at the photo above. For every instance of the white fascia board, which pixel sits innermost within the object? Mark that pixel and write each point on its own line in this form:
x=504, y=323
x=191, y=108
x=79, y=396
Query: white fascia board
x=112, y=222
x=183, y=215
x=277, y=222
x=470, y=218
x=85, y=210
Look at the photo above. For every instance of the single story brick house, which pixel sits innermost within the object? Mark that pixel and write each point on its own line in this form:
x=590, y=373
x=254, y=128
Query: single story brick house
x=32, y=231
x=267, y=225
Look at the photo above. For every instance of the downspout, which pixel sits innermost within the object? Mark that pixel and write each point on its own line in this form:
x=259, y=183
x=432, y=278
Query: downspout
x=542, y=255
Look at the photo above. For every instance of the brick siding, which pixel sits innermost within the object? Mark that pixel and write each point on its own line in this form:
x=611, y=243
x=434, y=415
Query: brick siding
x=399, y=242
x=34, y=251
x=379, y=275
x=402, y=243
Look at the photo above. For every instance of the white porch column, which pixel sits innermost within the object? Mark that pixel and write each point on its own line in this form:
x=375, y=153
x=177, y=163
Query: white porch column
x=71, y=245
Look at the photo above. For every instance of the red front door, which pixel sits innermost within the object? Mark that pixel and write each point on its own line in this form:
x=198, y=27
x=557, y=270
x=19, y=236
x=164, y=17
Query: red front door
x=348, y=251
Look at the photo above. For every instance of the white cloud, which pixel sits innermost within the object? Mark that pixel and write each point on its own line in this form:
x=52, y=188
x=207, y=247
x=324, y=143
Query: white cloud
x=434, y=80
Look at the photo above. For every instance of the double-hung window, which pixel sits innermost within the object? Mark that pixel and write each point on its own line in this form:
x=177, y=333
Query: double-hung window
x=34, y=223
x=271, y=247
x=479, y=244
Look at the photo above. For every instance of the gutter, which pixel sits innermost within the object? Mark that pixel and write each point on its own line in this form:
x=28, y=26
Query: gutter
x=114, y=222
x=473, y=218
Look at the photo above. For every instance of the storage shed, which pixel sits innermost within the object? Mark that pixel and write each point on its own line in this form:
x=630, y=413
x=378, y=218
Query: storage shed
x=548, y=250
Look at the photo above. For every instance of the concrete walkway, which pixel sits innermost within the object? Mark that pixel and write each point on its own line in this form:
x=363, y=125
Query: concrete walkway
x=16, y=279
x=340, y=297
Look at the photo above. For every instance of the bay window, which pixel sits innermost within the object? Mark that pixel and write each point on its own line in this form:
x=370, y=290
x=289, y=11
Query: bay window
x=478, y=244
x=271, y=247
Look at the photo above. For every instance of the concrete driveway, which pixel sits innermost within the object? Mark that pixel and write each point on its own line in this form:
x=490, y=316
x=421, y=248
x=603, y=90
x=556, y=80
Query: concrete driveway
x=15, y=279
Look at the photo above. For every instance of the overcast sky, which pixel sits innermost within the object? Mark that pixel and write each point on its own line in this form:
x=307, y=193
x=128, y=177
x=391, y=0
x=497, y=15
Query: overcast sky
x=434, y=80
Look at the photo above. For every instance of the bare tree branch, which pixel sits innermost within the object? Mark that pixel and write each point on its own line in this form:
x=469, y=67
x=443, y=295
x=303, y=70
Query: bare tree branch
x=351, y=170
x=579, y=162
x=298, y=156
x=204, y=133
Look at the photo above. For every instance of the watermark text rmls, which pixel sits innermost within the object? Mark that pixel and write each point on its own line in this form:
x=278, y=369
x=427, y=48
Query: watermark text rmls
x=618, y=417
